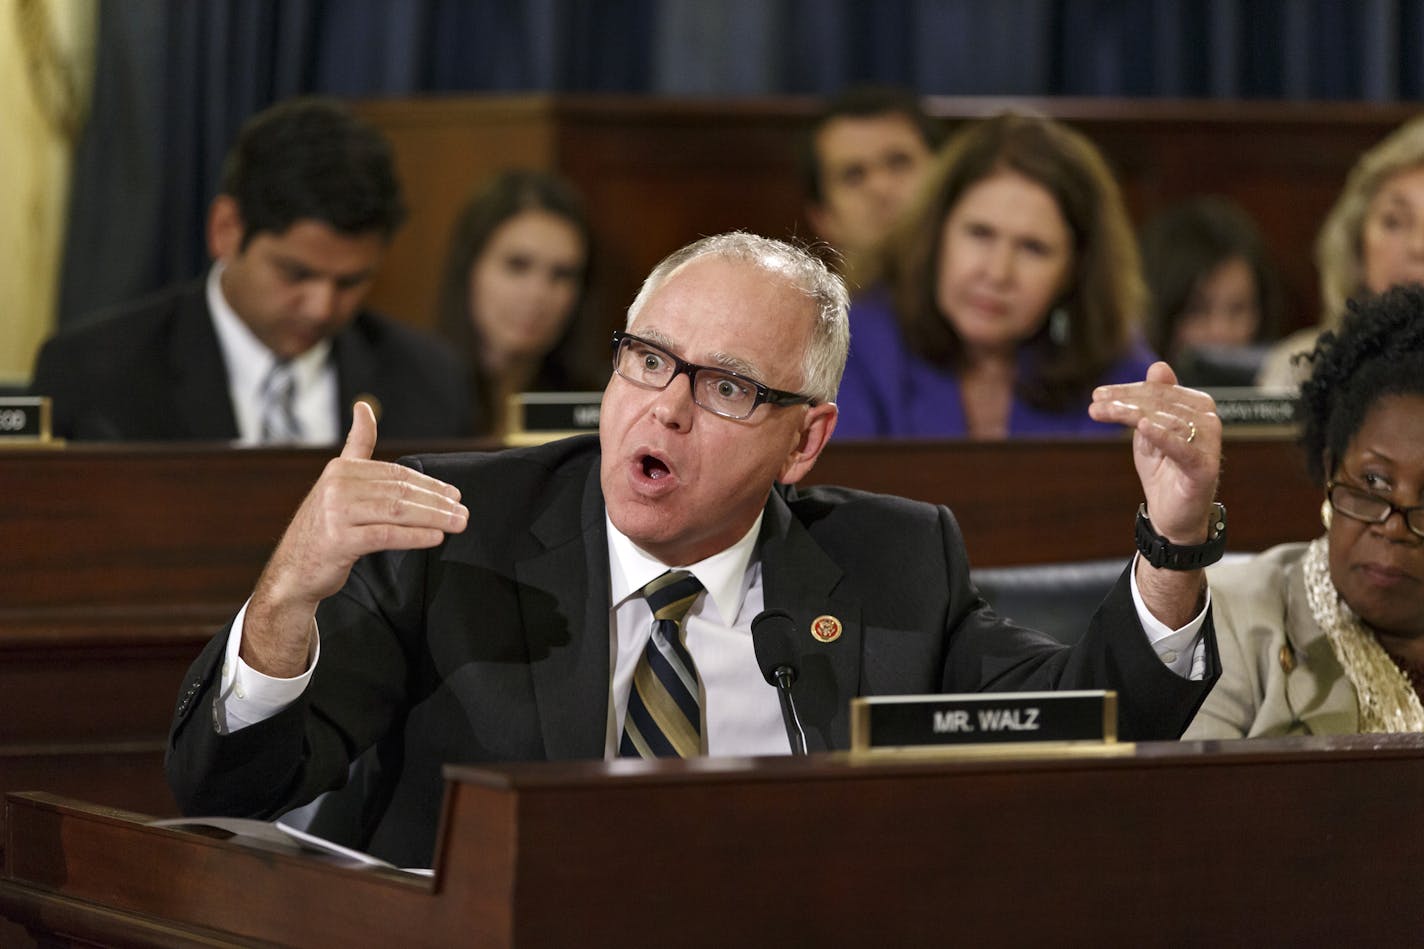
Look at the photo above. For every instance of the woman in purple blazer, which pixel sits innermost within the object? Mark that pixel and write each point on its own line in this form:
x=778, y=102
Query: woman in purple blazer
x=1009, y=291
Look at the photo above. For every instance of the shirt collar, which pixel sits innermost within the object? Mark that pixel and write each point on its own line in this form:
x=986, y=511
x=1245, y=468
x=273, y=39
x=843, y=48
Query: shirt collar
x=248, y=360
x=723, y=574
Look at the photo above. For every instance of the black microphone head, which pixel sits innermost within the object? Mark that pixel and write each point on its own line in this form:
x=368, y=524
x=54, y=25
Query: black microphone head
x=772, y=634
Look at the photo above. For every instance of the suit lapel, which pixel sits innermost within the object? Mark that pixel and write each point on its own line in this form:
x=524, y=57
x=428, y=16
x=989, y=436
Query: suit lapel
x=202, y=402
x=802, y=579
x=356, y=370
x=1318, y=692
x=563, y=594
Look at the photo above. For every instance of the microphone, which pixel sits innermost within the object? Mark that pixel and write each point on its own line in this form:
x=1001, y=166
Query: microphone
x=772, y=632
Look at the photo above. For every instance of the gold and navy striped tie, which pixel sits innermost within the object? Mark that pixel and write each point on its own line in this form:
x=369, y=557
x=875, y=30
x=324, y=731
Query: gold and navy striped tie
x=664, y=718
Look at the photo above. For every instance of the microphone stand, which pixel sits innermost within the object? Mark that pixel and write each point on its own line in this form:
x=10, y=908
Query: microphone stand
x=785, y=675
x=771, y=639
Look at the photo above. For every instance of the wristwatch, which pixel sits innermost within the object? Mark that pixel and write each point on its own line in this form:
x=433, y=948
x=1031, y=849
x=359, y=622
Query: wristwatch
x=1160, y=552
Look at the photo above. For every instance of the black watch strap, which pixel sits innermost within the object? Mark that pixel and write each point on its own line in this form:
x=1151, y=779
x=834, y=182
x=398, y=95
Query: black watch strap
x=1160, y=552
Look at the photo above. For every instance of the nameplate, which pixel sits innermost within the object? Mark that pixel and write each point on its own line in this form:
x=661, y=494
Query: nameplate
x=1246, y=406
x=982, y=718
x=541, y=416
x=24, y=418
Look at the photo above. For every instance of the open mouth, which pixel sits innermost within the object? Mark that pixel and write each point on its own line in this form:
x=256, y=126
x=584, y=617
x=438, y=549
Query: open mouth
x=655, y=469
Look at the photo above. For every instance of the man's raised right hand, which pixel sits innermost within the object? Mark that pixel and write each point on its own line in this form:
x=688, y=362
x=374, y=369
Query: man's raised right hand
x=357, y=506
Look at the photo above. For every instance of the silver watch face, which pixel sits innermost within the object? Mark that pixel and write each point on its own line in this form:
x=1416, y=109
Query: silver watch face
x=1160, y=552
x=1216, y=524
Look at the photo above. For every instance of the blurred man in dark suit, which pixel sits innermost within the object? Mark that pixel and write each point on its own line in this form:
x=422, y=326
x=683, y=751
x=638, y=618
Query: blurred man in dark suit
x=274, y=345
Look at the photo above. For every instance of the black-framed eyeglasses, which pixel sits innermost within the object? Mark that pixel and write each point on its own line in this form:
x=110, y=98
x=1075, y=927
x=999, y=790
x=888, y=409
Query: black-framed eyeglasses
x=720, y=391
x=1371, y=508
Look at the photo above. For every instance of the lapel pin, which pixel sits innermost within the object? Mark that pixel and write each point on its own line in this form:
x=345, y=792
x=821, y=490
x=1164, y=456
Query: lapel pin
x=826, y=629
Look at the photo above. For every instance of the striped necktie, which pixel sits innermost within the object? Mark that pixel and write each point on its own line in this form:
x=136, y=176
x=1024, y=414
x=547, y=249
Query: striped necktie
x=664, y=718
x=279, y=419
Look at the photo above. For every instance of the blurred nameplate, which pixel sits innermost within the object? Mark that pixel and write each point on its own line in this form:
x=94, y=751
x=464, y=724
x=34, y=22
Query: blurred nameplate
x=1011, y=721
x=534, y=417
x=1270, y=408
x=25, y=420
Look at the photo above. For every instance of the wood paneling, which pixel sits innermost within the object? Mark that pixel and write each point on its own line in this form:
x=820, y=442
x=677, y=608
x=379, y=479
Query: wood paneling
x=1026, y=502
x=445, y=149
x=658, y=173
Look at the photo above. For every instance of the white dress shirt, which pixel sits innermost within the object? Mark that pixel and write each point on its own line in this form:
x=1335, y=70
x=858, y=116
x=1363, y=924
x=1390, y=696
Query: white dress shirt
x=741, y=714
x=316, y=399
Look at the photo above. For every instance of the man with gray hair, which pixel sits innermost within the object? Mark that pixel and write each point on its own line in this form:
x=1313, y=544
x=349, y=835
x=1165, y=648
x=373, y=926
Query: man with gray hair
x=593, y=597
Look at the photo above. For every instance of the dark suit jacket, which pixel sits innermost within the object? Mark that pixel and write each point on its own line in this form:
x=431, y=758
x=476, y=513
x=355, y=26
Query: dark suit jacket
x=154, y=371
x=495, y=645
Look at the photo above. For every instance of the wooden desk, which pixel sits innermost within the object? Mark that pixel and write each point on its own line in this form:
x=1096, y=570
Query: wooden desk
x=1295, y=842
x=118, y=563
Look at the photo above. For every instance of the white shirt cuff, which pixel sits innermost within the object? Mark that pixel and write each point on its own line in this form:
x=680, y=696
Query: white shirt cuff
x=1181, y=650
x=246, y=696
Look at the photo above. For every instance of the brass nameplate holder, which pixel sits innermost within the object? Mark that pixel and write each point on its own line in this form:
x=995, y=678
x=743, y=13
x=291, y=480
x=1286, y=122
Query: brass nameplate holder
x=532, y=418
x=987, y=723
x=25, y=420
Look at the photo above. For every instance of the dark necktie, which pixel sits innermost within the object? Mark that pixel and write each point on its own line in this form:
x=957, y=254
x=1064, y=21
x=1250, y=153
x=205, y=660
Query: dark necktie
x=279, y=419
x=664, y=718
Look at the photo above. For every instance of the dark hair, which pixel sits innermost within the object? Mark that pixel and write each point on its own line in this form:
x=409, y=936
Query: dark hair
x=571, y=365
x=1187, y=242
x=312, y=159
x=863, y=102
x=1105, y=296
x=1377, y=351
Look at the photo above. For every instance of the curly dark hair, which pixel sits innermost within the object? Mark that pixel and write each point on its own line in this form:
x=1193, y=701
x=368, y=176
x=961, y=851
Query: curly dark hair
x=1378, y=351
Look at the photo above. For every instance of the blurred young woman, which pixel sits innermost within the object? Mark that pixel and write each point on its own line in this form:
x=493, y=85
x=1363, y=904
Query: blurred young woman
x=514, y=294
x=1006, y=294
x=1327, y=637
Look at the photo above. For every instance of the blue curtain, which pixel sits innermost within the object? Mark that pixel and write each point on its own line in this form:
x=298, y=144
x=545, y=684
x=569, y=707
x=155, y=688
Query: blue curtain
x=175, y=79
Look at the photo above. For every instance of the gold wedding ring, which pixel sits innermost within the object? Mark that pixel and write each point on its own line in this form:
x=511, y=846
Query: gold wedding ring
x=1191, y=431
